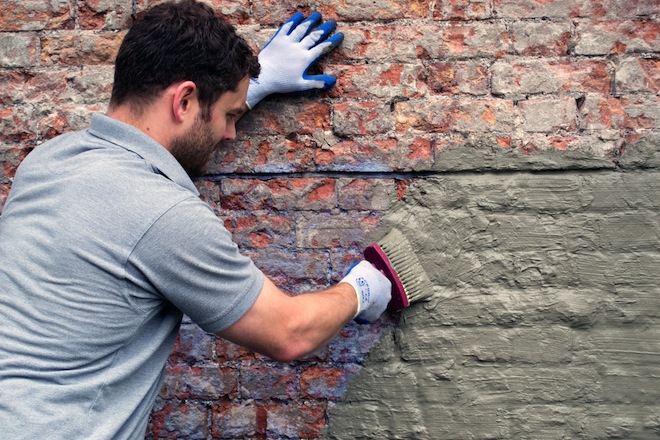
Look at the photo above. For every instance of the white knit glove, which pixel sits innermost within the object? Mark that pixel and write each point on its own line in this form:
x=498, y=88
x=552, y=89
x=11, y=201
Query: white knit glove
x=286, y=58
x=372, y=288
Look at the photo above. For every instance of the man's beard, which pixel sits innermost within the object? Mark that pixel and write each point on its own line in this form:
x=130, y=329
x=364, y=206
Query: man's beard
x=194, y=148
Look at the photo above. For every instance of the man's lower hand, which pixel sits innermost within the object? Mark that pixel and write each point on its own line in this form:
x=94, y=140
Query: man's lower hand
x=372, y=288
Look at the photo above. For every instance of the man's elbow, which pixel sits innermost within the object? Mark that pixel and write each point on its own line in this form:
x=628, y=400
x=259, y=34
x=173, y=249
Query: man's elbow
x=289, y=351
x=293, y=342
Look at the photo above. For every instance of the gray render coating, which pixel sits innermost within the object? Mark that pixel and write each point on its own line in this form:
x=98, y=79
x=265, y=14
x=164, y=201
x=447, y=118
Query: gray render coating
x=544, y=319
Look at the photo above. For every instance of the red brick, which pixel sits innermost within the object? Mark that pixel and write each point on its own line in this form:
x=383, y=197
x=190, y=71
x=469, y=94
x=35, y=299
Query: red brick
x=281, y=118
x=266, y=154
x=78, y=48
x=261, y=231
x=17, y=125
x=268, y=382
x=234, y=11
x=32, y=15
x=10, y=158
x=626, y=113
x=44, y=87
x=326, y=382
x=294, y=193
x=53, y=122
x=5, y=187
x=365, y=155
x=192, y=346
x=100, y=14
x=227, y=351
x=458, y=77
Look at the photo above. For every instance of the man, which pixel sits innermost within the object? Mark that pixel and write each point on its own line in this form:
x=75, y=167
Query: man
x=105, y=244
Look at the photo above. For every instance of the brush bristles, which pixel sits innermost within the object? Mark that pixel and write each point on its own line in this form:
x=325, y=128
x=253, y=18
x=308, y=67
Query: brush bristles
x=403, y=259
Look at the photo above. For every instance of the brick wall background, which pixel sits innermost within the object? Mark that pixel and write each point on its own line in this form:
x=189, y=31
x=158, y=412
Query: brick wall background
x=516, y=139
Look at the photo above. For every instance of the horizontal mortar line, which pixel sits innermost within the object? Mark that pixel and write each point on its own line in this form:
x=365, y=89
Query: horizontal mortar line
x=402, y=175
x=399, y=175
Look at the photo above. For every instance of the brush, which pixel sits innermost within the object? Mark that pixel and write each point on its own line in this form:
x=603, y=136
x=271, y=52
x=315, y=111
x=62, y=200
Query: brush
x=394, y=256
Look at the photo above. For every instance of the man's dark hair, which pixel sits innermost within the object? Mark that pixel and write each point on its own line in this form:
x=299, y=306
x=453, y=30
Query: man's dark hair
x=180, y=41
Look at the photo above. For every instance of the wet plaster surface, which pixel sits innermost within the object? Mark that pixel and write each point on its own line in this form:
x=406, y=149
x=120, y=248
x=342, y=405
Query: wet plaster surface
x=544, y=318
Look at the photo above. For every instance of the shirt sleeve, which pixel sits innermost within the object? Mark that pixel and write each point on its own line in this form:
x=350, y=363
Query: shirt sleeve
x=190, y=259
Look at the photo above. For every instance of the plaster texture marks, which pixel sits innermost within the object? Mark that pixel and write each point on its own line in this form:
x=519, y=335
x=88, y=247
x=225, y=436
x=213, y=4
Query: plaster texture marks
x=544, y=320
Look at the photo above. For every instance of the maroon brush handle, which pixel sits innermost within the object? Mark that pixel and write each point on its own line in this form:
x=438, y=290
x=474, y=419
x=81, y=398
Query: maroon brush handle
x=375, y=255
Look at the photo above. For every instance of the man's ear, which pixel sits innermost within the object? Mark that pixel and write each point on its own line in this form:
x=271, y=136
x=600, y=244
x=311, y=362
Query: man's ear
x=184, y=102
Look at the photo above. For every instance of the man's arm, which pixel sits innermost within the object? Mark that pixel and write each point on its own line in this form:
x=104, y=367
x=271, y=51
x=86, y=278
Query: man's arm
x=286, y=328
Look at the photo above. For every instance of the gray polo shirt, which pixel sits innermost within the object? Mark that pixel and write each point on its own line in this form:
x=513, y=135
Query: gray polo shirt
x=104, y=244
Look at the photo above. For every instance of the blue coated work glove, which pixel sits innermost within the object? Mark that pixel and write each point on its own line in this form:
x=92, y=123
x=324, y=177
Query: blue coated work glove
x=286, y=58
x=372, y=288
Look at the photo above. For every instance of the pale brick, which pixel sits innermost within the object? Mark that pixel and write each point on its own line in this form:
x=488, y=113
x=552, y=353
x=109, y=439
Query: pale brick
x=362, y=118
x=617, y=37
x=181, y=420
x=462, y=10
x=365, y=194
x=548, y=115
x=465, y=116
x=34, y=15
x=18, y=50
x=547, y=8
x=295, y=420
x=378, y=81
x=237, y=420
x=359, y=10
x=634, y=75
x=530, y=77
x=208, y=382
x=541, y=38
x=464, y=40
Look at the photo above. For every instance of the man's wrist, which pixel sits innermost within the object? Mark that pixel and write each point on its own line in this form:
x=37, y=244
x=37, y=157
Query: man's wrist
x=355, y=295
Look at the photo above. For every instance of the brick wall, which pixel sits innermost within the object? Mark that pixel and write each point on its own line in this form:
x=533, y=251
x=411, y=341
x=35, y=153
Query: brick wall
x=492, y=119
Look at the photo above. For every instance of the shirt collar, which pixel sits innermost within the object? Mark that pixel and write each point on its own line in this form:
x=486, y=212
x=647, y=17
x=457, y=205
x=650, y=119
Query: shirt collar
x=132, y=139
